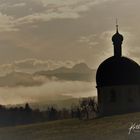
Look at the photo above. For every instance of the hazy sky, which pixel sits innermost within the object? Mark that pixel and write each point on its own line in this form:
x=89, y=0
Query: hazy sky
x=38, y=31
x=45, y=34
x=53, y=90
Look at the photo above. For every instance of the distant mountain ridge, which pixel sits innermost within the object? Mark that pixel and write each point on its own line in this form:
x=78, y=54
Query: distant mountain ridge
x=79, y=72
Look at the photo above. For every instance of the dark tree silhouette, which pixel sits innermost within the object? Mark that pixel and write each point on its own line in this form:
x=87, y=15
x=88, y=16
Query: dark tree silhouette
x=26, y=115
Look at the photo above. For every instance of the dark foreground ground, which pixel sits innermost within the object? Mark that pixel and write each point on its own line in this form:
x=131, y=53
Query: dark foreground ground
x=107, y=128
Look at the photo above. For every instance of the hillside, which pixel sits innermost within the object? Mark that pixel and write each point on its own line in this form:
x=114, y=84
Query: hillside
x=107, y=128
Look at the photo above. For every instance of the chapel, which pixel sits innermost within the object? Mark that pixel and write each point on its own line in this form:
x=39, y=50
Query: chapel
x=118, y=82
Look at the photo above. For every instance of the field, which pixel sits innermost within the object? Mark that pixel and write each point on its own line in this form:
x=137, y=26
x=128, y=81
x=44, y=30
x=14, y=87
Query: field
x=107, y=128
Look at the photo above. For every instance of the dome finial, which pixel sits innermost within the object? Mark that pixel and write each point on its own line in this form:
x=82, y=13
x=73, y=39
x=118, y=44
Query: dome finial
x=117, y=26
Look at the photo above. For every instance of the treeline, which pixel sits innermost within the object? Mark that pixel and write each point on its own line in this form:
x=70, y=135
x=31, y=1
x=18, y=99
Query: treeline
x=86, y=109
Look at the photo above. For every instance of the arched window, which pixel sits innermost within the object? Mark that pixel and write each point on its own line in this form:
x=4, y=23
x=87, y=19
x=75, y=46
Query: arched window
x=112, y=96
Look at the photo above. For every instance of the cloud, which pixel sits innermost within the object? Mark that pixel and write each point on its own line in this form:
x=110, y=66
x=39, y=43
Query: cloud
x=7, y=23
x=71, y=2
x=12, y=5
x=54, y=90
x=40, y=64
x=32, y=65
x=32, y=11
x=18, y=5
x=90, y=40
x=58, y=9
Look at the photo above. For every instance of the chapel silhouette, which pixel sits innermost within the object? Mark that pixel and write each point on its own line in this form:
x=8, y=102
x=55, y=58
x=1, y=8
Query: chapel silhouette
x=118, y=82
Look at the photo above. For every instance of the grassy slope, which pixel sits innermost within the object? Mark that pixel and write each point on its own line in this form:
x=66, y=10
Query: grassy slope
x=107, y=128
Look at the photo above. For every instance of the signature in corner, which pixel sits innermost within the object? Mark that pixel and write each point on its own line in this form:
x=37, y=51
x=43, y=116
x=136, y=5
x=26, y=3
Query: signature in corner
x=134, y=127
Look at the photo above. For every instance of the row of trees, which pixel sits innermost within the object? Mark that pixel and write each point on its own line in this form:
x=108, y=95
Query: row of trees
x=86, y=109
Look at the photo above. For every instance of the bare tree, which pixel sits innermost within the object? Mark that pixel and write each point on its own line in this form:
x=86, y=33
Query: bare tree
x=88, y=107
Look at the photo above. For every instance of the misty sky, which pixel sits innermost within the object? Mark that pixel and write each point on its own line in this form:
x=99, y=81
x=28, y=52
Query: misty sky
x=33, y=32
x=46, y=34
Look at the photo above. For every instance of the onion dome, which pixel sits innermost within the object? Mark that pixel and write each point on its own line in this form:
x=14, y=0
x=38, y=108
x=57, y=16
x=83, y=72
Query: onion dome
x=117, y=38
x=118, y=71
